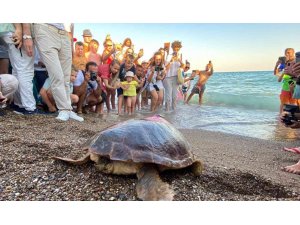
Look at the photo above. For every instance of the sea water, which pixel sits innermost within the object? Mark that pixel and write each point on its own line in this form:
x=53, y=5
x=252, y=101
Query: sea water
x=241, y=103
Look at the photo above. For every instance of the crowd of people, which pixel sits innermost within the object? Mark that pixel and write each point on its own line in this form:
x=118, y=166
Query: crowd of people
x=48, y=71
x=287, y=69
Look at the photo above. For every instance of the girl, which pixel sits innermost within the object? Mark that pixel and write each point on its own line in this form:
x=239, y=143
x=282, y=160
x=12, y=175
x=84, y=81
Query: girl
x=129, y=91
x=155, y=76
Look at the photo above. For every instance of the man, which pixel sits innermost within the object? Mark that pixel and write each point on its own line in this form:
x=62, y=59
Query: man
x=8, y=86
x=87, y=37
x=54, y=44
x=79, y=60
x=92, y=55
x=199, y=87
x=88, y=87
x=108, y=74
x=20, y=48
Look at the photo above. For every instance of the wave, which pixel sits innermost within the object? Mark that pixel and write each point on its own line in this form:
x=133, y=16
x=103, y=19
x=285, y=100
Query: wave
x=270, y=103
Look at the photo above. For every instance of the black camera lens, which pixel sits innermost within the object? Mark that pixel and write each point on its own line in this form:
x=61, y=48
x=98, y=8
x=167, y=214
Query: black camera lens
x=93, y=76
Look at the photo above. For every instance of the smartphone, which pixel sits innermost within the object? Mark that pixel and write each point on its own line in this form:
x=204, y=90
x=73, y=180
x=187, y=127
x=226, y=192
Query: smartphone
x=297, y=57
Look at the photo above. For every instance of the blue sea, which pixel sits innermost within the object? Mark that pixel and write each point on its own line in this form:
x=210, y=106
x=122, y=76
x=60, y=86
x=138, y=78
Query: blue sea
x=240, y=103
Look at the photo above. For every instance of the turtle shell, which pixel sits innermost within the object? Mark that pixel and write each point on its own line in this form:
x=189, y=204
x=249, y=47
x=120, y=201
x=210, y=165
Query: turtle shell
x=150, y=140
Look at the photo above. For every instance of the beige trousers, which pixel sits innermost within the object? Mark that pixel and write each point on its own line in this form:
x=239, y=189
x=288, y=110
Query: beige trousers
x=54, y=46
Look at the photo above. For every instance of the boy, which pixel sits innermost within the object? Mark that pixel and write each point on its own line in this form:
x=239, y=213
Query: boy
x=47, y=96
x=199, y=87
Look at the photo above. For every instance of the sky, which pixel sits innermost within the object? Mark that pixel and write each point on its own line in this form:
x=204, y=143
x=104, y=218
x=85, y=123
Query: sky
x=232, y=47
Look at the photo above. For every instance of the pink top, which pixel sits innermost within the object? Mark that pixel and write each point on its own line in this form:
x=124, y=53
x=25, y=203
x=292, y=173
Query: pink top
x=103, y=71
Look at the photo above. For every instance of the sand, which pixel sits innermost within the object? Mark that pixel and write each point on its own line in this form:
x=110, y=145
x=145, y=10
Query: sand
x=236, y=167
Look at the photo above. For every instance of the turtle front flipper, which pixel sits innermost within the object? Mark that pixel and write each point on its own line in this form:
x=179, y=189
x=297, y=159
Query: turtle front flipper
x=80, y=161
x=150, y=187
x=197, y=168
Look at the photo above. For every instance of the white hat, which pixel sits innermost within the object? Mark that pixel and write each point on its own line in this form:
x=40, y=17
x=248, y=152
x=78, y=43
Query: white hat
x=9, y=84
x=129, y=74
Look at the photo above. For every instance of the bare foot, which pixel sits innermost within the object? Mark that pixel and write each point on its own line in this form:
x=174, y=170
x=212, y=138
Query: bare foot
x=52, y=109
x=293, y=168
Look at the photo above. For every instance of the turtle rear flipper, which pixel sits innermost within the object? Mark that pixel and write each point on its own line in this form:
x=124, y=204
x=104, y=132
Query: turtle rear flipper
x=150, y=187
x=79, y=161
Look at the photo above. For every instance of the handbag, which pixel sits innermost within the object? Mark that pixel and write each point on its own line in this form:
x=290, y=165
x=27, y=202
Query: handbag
x=180, y=79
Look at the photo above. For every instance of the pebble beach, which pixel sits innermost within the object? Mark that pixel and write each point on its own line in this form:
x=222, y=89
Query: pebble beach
x=236, y=168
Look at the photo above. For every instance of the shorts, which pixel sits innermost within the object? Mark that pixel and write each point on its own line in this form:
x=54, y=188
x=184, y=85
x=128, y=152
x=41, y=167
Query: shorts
x=286, y=98
x=184, y=90
x=197, y=89
x=119, y=91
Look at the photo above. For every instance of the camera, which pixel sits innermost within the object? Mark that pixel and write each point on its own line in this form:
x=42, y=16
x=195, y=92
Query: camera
x=288, y=118
x=93, y=76
x=158, y=68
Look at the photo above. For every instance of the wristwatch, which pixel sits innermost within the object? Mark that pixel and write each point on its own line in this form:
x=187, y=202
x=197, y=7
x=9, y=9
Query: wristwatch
x=25, y=36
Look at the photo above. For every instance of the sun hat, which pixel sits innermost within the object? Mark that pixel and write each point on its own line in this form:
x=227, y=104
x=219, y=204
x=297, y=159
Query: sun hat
x=87, y=32
x=129, y=74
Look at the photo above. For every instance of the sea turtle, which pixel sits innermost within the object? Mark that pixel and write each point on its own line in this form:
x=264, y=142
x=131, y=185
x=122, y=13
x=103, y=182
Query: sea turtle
x=142, y=147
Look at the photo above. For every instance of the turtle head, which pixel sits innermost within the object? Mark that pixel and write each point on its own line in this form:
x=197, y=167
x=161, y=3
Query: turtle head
x=104, y=165
x=108, y=168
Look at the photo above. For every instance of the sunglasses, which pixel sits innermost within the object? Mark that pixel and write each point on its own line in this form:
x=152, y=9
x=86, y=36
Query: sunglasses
x=187, y=67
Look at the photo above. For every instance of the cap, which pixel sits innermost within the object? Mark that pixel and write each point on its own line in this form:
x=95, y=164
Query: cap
x=129, y=74
x=87, y=32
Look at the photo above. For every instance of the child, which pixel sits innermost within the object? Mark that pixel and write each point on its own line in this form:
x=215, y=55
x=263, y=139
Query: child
x=47, y=96
x=129, y=91
x=287, y=81
x=185, y=88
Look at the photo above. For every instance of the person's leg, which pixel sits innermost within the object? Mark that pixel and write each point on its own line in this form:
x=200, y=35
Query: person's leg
x=174, y=92
x=189, y=98
x=133, y=101
x=45, y=97
x=154, y=98
x=107, y=101
x=120, y=103
x=160, y=98
x=201, y=94
x=113, y=99
x=168, y=92
x=23, y=69
x=65, y=58
x=4, y=57
x=74, y=98
x=128, y=105
x=55, y=52
x=4, y=64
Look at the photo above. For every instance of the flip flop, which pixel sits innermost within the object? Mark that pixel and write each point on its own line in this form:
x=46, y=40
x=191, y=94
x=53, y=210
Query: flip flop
x=294, y=150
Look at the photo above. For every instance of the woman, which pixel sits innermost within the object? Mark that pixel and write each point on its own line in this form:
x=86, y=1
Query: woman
x=155, y=76
x=170, y=83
